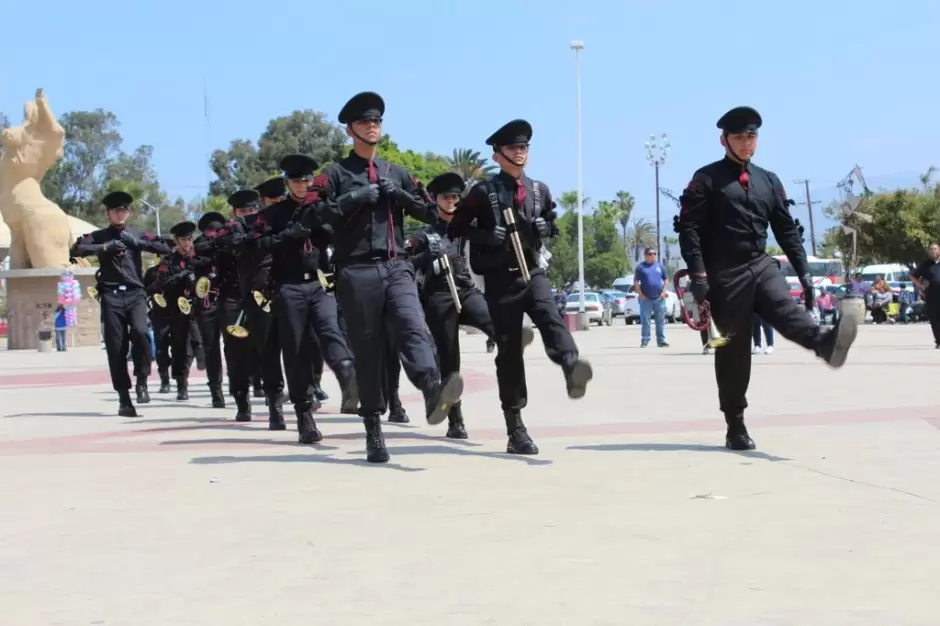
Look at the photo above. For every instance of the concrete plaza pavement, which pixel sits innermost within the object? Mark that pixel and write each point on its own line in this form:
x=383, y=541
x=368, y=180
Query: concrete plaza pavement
x=633, y=513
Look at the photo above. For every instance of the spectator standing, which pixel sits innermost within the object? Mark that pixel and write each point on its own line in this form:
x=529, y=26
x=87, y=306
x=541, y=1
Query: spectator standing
x=60, y=328
x=649, y=282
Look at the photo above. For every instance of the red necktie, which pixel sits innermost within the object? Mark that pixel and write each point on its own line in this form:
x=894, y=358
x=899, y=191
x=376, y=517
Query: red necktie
x=390, y=246
x=519, y=198
x=744, y=179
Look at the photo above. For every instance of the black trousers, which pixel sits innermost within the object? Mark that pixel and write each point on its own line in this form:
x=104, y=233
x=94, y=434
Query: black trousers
x=392, y=366
x=736, y=293
x=444, y=323
x=932, y=308
x=307, y=314
x=316, y=356
x=160, y=323
x=182, y=346
x=509, y=298
x=381, y=299
x=237, y=352
x=124, y=315
x=266, y=350
x=208, y=320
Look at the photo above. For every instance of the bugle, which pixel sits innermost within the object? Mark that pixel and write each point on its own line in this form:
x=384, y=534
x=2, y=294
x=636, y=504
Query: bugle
x=202, y=287
x=704, y=314
x=93, y=292
x=159, y=300
x=184, y=305
x=324, y=279
x=509, y=214
x=447, y=271
x=263, y=303
x=237, y=330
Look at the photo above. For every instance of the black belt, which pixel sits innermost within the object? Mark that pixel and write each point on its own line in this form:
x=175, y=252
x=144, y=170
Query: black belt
x=367, y=257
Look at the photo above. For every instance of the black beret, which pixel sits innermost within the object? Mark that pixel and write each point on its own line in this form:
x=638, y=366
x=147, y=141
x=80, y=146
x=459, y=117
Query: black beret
x=183, y=229
x=740, y=120
x=271, y=188
x=243, y=198
x=117, y=200
x=211, y=220
x=449, y=182
x=514, y=132
x=367, y=105
x=298, y=166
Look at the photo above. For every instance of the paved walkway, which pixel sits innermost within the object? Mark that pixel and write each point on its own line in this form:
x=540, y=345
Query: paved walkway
x=632, y=514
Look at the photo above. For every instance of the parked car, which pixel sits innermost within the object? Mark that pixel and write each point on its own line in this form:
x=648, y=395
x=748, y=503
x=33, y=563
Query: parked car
x=619, y=301
x=598, y=309
x=632, y=309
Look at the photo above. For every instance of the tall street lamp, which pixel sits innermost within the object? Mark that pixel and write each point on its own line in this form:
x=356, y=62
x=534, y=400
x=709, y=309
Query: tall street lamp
x=656, y=151
x=577, y=46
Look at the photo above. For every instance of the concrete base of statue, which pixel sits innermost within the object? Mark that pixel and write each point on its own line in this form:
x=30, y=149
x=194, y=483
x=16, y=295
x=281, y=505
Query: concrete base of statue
x=32, y=297
x=853, y=307
x=577, y=321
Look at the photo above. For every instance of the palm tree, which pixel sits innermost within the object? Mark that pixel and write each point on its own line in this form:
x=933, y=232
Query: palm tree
x=569, y=201
x=926, y=177
x=640, y=235
x=470, y=165
x=625, y=203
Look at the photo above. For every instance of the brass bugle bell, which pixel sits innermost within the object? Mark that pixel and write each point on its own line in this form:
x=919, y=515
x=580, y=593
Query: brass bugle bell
x=159, y=300
x=715, y=338
x=184, y=305
x=509, y=214
x=237, y=330
x=92, y=292
x=263, y=303
x=202, y=287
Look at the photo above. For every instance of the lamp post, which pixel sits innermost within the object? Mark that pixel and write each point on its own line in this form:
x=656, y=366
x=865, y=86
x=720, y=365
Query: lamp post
x=156, y=212
x=577, y=46
x=656, y=151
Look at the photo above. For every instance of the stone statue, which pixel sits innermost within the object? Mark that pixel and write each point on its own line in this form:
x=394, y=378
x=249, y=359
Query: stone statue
x=40, y=233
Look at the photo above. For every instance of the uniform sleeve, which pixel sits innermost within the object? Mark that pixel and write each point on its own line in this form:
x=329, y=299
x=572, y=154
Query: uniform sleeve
x=693, y=213
x=413, y=202
x=153, y=244
x=85, y=246
x=331, y=210
x=550, y=212
x=470, y=208
x=785, y=230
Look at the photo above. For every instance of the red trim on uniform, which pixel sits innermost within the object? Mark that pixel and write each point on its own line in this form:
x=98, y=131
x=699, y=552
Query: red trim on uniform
x=321, y=181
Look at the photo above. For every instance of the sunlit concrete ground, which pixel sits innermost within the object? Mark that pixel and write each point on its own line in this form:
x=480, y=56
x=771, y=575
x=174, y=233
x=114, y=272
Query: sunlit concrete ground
x=632, y=514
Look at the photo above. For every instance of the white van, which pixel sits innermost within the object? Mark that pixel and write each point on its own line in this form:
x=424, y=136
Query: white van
x=892, y=272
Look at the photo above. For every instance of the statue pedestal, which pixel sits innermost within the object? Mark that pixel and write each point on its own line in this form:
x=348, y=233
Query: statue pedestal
x=32, y=296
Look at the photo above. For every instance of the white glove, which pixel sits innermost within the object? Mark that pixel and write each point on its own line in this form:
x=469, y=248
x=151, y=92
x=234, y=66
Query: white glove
x=436, y=267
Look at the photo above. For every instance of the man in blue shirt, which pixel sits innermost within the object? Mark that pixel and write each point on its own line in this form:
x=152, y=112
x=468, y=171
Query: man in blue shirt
x=649, y=282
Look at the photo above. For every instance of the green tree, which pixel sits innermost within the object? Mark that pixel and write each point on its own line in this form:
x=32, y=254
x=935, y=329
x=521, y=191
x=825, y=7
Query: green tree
x=471, y=166
x=604, y=256
x=77, y=181
x=926, y=178
x=625, y=203
x=774, y=250
x=246, y=164
x=641, y=234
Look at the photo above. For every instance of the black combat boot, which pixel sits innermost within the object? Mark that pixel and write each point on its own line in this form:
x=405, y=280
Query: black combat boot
x=218, y=398
x=275, y=414
x=737, y=437
x=440, y=396
x=376, y=452
x=182, y=388
x=243, y=406
x=578, y=374
x=833, y=346
x=164, y=382
x=125, y=406
x=143, y=395
x=318, y=393
x=519, y=440
x=455, y=427
x=396, y=412
x=307, y=431
x=346, y=375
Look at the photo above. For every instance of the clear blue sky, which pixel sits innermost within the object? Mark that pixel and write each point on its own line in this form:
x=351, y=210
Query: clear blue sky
x=837, y=82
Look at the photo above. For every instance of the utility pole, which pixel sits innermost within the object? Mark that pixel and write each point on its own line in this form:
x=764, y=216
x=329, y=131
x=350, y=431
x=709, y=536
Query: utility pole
x=809, y=208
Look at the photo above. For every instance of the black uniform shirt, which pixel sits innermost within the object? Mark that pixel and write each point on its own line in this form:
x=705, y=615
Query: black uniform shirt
x=177, y=273
x=123, y=268
x=293, y=260
x=453, y=247
x=370, y=230
x=724, y=216
x=222, y=271
x=930, y=271
x=475, y=213
x=253, y=263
